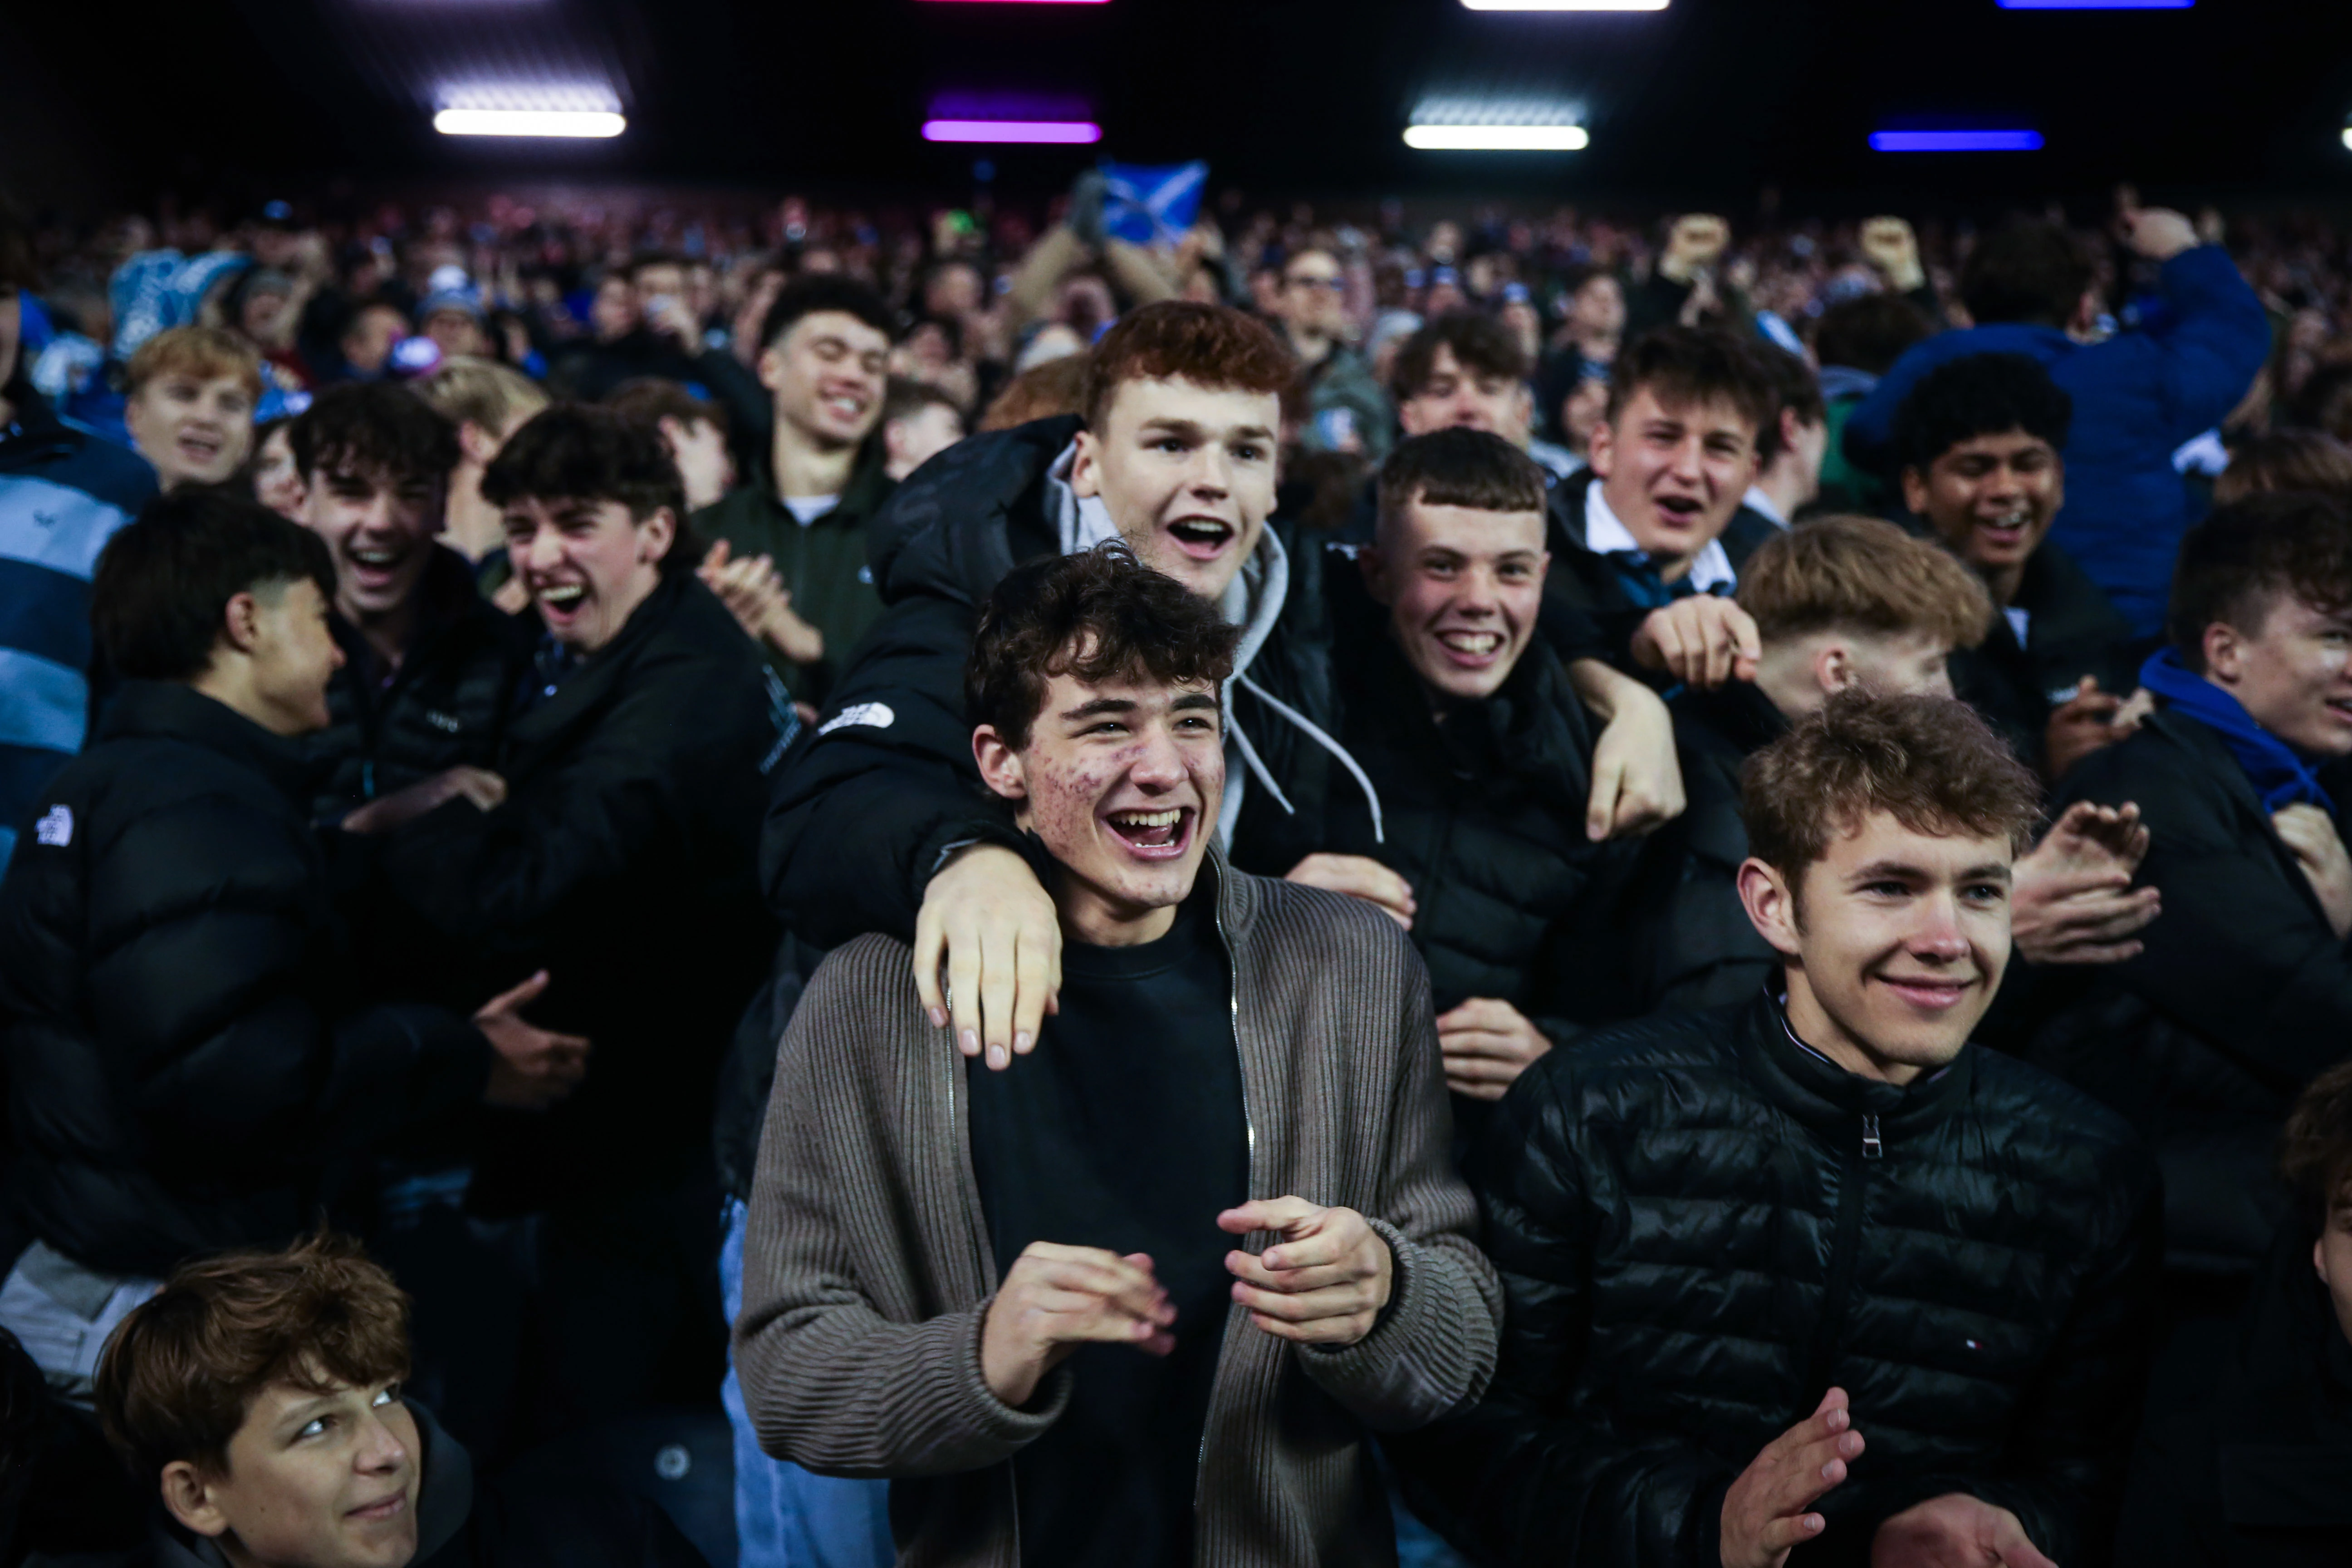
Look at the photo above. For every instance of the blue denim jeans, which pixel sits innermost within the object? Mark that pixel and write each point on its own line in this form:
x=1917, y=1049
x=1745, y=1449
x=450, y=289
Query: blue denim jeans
x=785, y=1517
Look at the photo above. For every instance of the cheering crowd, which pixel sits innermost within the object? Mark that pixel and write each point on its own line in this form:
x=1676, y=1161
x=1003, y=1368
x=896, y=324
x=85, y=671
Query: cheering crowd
x=1525, y=891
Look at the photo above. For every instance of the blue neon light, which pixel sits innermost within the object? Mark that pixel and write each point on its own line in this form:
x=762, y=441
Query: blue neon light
x=2096, y=4
x=1955, y=142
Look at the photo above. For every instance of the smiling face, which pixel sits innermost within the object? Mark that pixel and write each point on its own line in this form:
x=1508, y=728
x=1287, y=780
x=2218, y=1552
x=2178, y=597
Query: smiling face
x=1894, y=942
x=1464, y=587
x=1187, y=473
x=1674, y=475
x=586, y=564
x=194, y=429
x=1990, y=498
x=379, y=527
x=313, y=1480
x=827, y=374
x=1121, y=780
x=1454, y=396
x=2292, y=672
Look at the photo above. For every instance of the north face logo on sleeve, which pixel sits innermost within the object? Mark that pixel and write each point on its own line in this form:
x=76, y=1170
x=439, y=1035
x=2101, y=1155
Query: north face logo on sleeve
x=55, y=828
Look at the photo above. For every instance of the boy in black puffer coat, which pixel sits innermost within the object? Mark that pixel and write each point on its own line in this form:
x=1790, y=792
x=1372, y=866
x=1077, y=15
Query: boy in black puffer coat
x=192, y=1063
x=1813, y=1271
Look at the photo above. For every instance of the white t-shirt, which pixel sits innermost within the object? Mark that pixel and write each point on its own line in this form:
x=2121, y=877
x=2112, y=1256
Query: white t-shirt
x=806, y=509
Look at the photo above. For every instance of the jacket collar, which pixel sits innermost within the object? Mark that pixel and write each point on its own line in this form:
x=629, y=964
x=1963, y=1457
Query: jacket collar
x=584, y=686
x=1824, y=1095
x=862, y=494
x=1738, y=712
x=165, y=709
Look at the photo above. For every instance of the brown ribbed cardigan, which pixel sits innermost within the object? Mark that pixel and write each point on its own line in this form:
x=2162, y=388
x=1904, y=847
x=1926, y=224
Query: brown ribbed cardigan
x=868, y=1270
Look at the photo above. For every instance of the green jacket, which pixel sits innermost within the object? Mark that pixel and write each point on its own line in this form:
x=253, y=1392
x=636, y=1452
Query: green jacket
x=823, y=563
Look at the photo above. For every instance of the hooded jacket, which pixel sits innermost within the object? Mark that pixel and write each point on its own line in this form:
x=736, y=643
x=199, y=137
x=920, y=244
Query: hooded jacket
x=2138, y=397
x=621, y=862
x=2264, y=1478
x=1703, y=1225
x=446, y=705
x=63, y=494
x=2242, y=993
x=189, y=1068
x=868, y=1272
x=867, y=808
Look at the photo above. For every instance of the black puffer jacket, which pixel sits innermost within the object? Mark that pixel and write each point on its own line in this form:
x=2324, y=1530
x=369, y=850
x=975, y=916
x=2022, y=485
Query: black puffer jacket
x=2071, y=630
x=621, y=861
x=1484, y=815
x=2263, y=1478
x=865, y=807
x=1594, y=585
x=2240, y=995
x=1703, y=1225
x=446, y=705
x=188, y=1065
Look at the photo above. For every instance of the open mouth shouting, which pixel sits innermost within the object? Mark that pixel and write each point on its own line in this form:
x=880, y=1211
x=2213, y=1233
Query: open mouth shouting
x=1678, y=514
x=1203, y=538
x=1163, y=834
x=561, y=602
x=376, y=568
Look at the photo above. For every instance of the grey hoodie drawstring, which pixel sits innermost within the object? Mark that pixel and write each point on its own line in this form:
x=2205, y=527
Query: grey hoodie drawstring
x=1249, y=754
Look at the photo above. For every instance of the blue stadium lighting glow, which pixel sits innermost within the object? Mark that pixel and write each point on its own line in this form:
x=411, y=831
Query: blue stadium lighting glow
x=2096, y=4
x=1955, y=142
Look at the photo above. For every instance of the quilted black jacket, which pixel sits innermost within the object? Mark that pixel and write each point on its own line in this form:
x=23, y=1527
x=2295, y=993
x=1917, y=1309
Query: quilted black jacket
x=1702, y=1225
x=190, y=1065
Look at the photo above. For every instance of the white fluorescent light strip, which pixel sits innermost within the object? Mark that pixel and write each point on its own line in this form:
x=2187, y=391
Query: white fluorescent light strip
x=1497, y=138
x=1564, y=4
x=529, y=123
x=2347, y=136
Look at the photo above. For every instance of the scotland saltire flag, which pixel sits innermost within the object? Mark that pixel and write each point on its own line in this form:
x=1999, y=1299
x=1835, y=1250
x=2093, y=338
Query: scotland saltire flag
x=1145, y=205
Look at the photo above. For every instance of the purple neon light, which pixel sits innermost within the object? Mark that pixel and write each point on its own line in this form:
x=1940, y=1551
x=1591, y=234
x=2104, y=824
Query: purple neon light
x=1039, y=2
x=1065, y=132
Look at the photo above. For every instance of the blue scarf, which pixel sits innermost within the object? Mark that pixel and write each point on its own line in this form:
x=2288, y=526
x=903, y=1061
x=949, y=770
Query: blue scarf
x=2277, y=772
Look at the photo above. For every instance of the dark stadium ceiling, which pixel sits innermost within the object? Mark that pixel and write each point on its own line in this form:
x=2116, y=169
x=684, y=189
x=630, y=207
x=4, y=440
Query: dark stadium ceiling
x=1709, y=99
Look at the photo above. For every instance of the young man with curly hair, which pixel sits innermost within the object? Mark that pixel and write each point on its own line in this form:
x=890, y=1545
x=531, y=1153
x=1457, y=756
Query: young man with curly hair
x=1812, y=1268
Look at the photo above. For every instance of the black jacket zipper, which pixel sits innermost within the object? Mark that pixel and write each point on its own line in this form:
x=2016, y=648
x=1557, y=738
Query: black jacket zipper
x=1855, y=1163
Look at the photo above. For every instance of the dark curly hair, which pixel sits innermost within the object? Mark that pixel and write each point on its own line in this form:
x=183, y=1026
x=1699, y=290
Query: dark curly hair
x=1979, y=394
x=1870, y=334
x=1929, y=761
x=2234, y=565
x=2316, y=1151
x=826, y=292
x=1098, y=616
x=380, y=429
x=577, y=451
x=2289, y=459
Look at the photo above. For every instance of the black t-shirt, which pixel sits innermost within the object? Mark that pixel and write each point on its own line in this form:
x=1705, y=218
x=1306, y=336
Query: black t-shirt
x=1124, y=1130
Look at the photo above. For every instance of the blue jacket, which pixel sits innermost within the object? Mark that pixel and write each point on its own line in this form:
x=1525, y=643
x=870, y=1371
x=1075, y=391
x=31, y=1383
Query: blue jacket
x=2138, y=397
x=63, y=493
